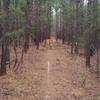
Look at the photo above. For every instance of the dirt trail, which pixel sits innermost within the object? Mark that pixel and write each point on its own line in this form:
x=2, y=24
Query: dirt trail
x=50, y=74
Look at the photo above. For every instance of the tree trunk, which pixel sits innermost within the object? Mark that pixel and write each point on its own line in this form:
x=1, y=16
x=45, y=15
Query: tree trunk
x=5, y=40
x=28, y=24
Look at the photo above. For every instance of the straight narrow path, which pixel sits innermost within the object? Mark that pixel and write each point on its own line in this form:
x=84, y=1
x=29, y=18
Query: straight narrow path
x=59, y=76
x=50, y=74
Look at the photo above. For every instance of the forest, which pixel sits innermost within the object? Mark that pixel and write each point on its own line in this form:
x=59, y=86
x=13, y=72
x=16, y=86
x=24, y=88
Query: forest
x=49, y=49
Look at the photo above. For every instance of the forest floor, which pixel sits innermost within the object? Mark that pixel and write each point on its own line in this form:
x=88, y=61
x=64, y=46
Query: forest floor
x=51, y=74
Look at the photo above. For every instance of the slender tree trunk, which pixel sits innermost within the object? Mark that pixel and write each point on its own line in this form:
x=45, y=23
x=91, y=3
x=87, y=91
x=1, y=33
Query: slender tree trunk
x=5, y=40
x=88, y=34
x=28, y=24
